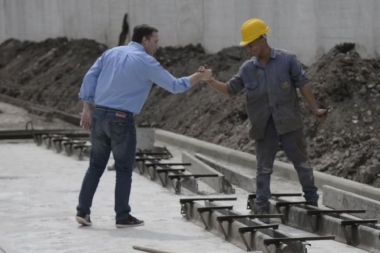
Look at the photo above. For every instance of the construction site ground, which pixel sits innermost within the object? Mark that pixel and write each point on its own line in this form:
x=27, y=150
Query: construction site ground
x=50, y=73
x=39, y=191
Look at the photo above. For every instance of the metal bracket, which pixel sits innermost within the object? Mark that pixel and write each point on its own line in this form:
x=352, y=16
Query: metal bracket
x=152, y=172
x=231, y=218
x=287, y=205
x=166, y=172
x=354, y=224
x=178, y=178
x=210, y=209
x=190, y=201
x=276, y=195
x=253, y=230
x=279, y=241
x=318, y=213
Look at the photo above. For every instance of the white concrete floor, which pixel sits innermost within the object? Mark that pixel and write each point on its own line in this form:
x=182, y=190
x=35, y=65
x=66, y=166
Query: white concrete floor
x=38, y=195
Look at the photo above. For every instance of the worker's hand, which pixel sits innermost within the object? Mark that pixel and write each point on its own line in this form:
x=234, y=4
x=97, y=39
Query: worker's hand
x=322, y=114
x=206, y=75
x=202, y=68
x=85, y=121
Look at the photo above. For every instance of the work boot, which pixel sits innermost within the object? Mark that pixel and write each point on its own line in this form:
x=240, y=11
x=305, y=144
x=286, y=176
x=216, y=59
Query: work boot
x=264, y=210
x=129, y=222
x=83, y=218
x=313, y=203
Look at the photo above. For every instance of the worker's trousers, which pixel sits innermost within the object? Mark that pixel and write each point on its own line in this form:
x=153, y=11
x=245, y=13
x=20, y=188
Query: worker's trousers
x=294, y=146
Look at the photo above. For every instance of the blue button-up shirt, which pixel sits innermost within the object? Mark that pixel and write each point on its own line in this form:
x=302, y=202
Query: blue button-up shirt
x=271, y=92
x=123, y=76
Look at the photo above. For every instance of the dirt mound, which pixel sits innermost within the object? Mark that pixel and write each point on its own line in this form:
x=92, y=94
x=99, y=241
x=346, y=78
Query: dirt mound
x=47, y=73
x=50, y=73
x=347, y=144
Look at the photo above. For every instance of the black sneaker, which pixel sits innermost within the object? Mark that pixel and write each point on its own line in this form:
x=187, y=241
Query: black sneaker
x=83, y=219
x=129, y=222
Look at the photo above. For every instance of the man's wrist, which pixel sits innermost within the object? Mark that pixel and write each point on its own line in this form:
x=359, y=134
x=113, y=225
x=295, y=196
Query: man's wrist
x=210, y=80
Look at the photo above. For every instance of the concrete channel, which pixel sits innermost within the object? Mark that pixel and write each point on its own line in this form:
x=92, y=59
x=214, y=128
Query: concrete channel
x=231, y=169
x=248, y=233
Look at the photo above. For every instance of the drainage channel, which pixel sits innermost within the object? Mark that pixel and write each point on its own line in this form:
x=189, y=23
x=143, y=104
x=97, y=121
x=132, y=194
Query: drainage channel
x=247, y=231
x=354, y=231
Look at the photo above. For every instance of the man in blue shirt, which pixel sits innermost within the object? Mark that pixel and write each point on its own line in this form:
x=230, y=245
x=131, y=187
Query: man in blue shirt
x=113, y=90
x=271, y=78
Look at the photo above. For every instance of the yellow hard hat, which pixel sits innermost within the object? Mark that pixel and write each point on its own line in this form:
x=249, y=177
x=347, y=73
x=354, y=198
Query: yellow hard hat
x=251, y=30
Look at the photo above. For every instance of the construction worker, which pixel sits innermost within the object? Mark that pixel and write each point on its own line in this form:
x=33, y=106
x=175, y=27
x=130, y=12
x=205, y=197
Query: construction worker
x=113, y=90
x=270, y=79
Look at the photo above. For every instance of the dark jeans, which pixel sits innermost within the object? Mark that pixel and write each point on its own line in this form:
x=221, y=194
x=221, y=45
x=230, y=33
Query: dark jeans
x=294, y=145
x=110, y=130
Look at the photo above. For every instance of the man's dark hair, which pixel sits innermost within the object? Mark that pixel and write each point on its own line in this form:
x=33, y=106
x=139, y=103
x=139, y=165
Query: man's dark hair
x=142, y=30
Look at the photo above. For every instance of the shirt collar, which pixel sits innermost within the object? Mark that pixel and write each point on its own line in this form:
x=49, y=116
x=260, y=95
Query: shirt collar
x=273, y=53
x=136, y=45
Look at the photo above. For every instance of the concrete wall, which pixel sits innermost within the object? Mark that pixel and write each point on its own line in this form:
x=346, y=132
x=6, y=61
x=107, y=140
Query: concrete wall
x=307, y=27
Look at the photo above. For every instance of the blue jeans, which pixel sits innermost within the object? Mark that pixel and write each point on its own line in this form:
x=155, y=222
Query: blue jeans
x=115, y=131
x=294, y=145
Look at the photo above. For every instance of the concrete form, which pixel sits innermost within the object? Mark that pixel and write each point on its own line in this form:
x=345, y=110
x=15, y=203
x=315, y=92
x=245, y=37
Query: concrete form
x=220, y=184
x=248, y=162
x=363, y=237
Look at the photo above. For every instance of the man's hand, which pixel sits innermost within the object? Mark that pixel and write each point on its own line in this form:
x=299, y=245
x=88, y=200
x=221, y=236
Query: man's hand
x=206, y=73
x=322, y=114
x=85, y=121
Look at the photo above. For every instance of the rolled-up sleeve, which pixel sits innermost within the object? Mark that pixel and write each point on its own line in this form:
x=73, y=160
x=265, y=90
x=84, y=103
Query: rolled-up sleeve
x=158, y=75
x=235, y=84
x=297, y=73
x=90, y=80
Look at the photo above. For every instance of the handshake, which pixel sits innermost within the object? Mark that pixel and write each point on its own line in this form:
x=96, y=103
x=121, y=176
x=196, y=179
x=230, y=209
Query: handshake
x=205, y=73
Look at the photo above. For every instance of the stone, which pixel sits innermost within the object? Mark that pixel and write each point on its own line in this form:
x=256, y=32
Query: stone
x=367, y=119
x=370, y=85
x=360, y=79
x=319, y=139
x=363, y=90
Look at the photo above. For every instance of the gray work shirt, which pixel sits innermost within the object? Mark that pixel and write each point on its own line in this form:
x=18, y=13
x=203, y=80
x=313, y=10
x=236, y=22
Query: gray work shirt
x=271, y=91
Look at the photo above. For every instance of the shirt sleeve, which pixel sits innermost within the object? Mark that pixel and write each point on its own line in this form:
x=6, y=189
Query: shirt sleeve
x=158, y=75
x=235, y=84
x=90, y=80
x=297, y=73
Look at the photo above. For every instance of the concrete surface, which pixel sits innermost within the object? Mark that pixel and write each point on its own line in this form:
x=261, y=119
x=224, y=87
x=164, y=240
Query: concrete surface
x=38, y=195
x=338, y=199
x=309, y=28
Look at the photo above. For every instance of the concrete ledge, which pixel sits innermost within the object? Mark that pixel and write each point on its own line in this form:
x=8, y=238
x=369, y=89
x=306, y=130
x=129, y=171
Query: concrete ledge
x=338, y=199
x=281, y=169
x=219, y=184
x=244, y=181
x=39, y=109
